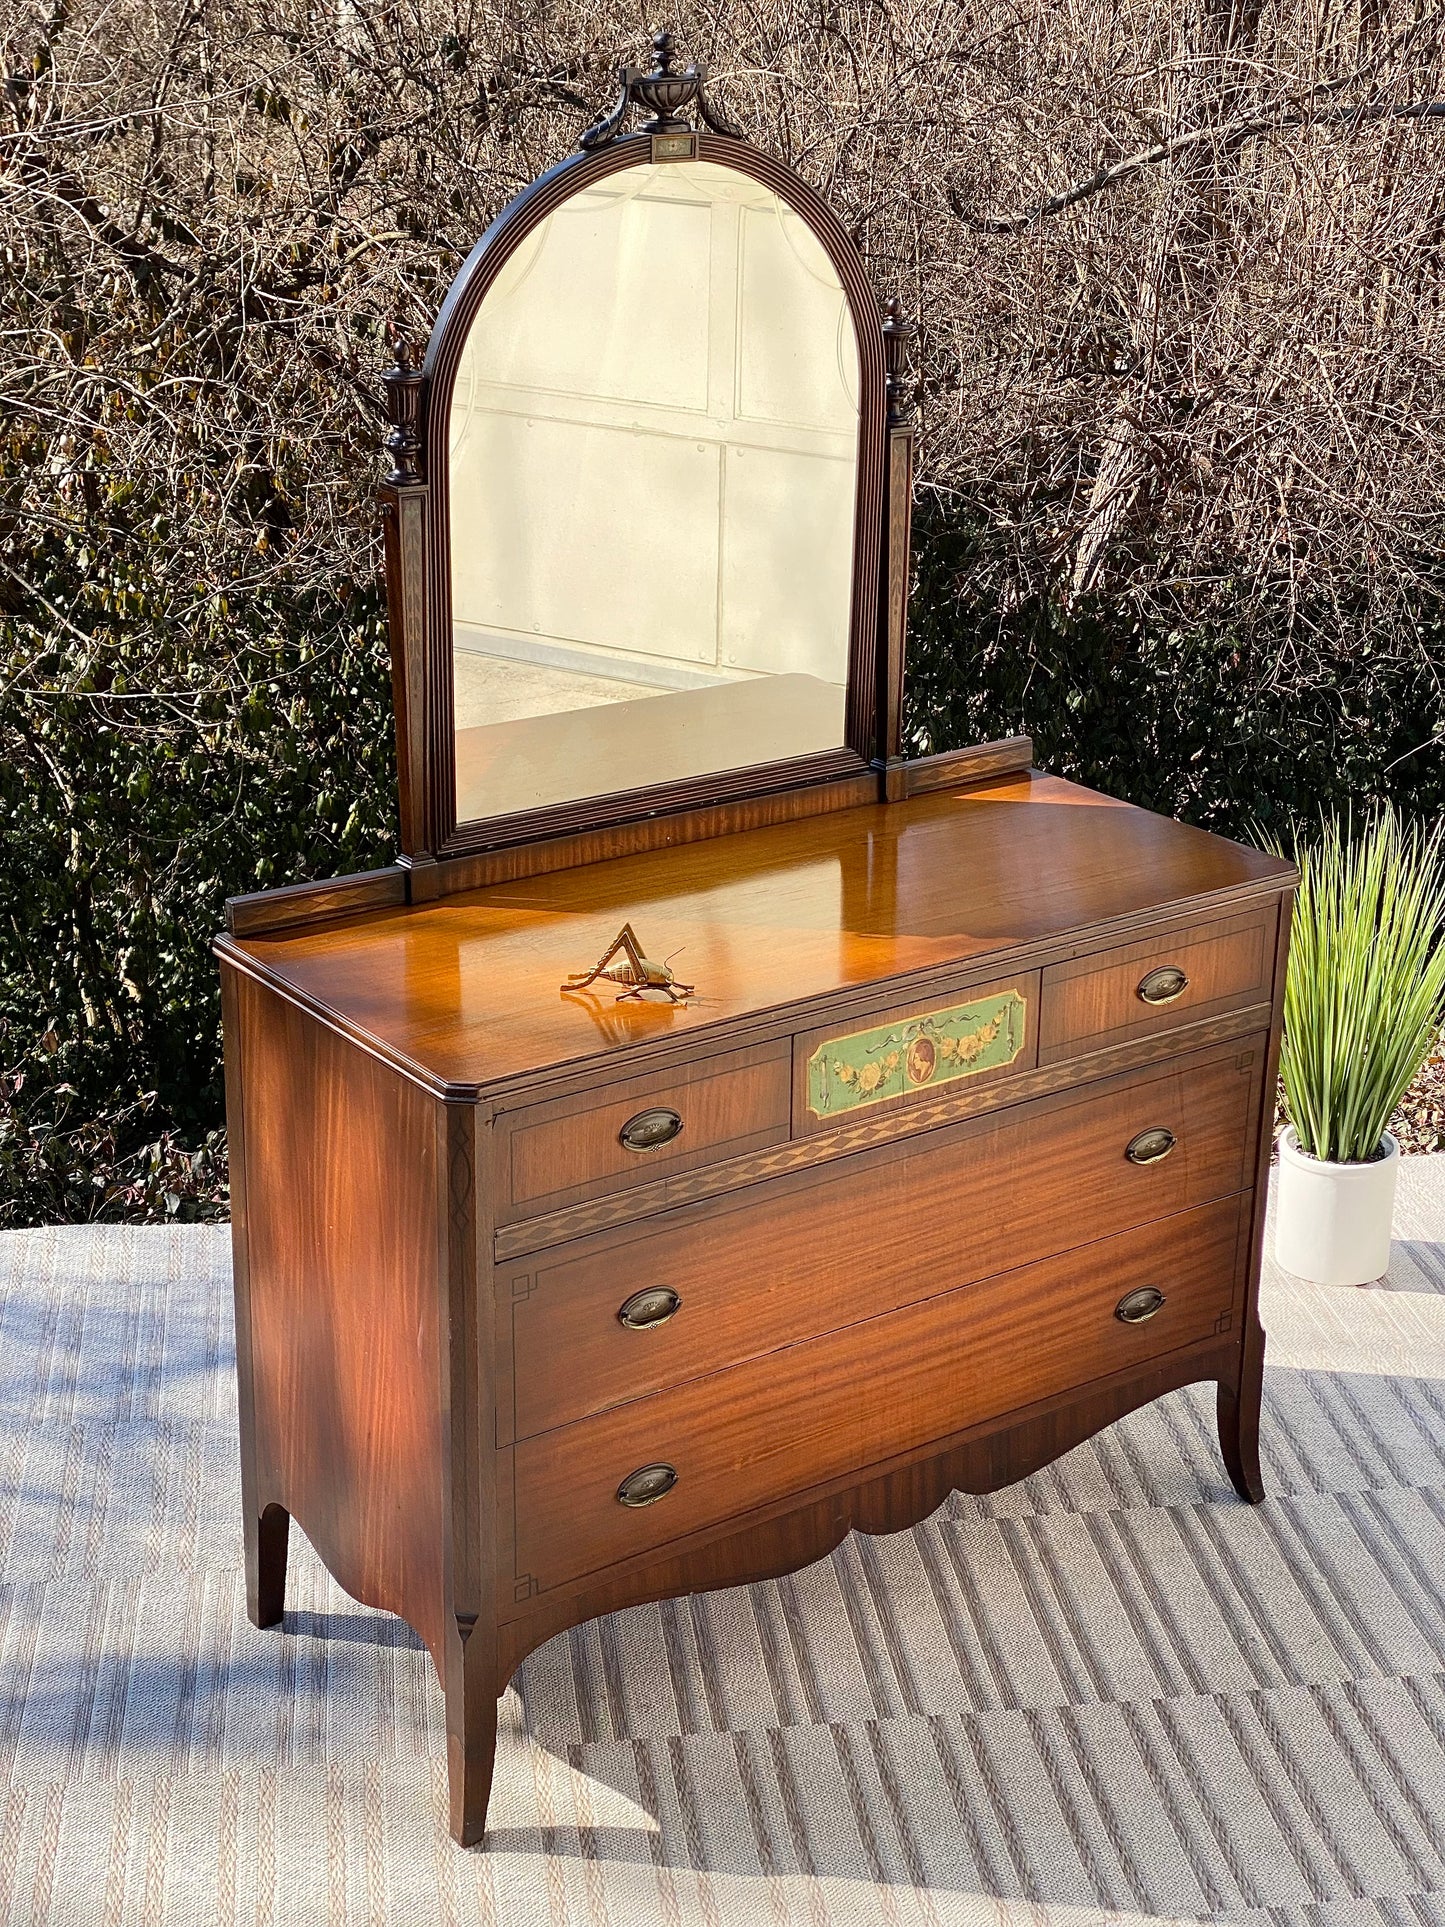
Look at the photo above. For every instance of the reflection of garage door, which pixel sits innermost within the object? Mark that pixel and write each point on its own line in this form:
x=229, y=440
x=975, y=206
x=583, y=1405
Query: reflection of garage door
x=602, y=403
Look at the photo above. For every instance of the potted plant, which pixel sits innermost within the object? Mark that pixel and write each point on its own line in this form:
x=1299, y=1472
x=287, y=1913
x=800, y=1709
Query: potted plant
x=1364, y=1001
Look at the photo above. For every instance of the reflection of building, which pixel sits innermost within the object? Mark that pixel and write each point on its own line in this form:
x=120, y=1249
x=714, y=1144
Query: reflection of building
x=653, y=344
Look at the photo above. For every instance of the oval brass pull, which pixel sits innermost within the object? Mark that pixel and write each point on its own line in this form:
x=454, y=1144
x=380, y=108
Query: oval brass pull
x=1163, y=985
x=645, y=1310
x=648, y=1130
x=1138, y=1307
x=1150, y=1146
x=647, y=1485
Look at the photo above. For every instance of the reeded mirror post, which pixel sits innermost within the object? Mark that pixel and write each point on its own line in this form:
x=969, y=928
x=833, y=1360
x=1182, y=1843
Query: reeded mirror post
x=404, y=501
x=900, y=390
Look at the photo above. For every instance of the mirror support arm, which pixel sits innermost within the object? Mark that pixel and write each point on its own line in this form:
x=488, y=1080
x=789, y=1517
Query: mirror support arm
x=900, y=390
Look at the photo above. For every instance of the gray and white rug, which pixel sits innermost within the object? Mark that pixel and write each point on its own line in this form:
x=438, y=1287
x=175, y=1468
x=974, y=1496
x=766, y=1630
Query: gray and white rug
x=1112, y=1692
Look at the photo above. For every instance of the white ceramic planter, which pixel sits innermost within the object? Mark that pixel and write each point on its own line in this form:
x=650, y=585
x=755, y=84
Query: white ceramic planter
x=1332, y=1221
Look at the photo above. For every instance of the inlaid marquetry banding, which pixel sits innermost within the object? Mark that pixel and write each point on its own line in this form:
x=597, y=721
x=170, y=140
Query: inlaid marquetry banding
x=890, y=1060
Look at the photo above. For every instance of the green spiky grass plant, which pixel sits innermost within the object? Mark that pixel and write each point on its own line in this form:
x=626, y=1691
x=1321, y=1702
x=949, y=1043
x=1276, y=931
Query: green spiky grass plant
x=1365, y=992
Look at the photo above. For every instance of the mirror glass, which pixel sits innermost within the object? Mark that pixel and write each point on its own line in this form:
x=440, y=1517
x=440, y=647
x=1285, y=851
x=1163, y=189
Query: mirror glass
x=654, y=445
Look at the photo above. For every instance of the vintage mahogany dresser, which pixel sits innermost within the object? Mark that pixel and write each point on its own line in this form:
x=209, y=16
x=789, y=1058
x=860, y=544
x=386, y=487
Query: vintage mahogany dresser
x=922, y=1129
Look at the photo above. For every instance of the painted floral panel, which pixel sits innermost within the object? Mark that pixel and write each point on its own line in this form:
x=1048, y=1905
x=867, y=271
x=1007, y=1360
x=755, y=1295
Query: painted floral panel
x=845, y=1073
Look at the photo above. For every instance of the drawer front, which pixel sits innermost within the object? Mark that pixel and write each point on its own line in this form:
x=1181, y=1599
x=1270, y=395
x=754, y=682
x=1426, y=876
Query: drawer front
x=556, y=1154
x=837, y=1405
x=783, y=1262
x=878, y=1062
x=1177, y=977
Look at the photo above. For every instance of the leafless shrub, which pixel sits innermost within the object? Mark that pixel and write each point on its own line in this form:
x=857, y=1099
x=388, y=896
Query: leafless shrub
x=1180, y=267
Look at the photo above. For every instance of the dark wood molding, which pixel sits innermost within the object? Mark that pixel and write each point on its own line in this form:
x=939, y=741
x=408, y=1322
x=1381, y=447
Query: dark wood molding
x=403, y=499
x=264, y=1528
x=595, y=843
x=563, y=820
x=404, y=536
x=468, y=1662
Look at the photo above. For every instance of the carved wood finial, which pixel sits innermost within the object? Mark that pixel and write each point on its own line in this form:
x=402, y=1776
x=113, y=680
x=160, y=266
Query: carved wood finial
x=662, y=92
x=900, y=388
x=403, y=383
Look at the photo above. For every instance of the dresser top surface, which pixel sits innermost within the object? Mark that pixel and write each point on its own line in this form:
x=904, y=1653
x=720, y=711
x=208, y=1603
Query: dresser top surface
x=468, y=988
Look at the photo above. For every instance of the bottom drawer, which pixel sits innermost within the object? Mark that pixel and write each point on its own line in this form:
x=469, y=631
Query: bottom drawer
x=819, y=1410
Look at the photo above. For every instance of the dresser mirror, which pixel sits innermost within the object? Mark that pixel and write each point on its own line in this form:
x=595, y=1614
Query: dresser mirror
x=636, y=520
x=653, y=451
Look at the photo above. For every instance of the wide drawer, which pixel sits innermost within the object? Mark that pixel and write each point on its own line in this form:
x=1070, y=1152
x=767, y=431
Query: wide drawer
x=1177, y=977
x=837, y=1405
x=765, y=1267
x=550, y=1155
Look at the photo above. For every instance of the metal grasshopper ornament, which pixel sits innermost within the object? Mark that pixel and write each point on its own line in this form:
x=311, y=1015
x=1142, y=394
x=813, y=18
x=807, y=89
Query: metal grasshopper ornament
x=638, y=973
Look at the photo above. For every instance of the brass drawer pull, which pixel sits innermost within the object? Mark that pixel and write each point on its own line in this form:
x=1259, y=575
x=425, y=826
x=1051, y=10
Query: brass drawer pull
x=645, y=1310
x=649, y=1130
x=1138, y=1307
x=1163, y=985
x=647, y=1485
x=1150, y=1146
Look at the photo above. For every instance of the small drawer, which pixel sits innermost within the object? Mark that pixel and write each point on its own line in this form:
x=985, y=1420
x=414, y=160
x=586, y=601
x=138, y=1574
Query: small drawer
x=884, y=1060
x=1176, y=977
x=627, y=1482
x=627, y=1313
x=556, y=1154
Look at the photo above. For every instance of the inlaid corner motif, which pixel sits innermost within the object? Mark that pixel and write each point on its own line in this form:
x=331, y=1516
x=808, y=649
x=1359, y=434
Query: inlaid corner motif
x=845, y=1073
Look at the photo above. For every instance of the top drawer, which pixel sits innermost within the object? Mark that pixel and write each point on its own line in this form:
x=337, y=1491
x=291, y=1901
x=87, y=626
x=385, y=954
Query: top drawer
x=1176, y=977
x=556, y=1154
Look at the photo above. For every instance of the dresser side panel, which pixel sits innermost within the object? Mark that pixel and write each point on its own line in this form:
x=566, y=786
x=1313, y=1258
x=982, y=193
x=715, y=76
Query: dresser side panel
x=346, y=1251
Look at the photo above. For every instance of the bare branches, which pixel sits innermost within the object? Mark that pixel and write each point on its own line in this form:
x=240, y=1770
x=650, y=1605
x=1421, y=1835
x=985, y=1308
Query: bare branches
x=1231, y=371
x=143, y=262
x=1227, y=137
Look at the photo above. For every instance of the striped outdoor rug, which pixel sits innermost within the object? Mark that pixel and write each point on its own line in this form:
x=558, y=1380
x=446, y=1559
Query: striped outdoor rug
x=1110, y=1692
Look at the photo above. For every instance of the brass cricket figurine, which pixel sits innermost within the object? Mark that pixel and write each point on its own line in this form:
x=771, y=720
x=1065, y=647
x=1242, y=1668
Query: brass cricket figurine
x=638, y=973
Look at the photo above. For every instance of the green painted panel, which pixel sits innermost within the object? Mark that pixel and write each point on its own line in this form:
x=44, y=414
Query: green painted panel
x=960, y=1041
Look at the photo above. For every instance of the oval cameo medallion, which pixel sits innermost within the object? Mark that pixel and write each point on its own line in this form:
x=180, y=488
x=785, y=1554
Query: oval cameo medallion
x=922, y=1060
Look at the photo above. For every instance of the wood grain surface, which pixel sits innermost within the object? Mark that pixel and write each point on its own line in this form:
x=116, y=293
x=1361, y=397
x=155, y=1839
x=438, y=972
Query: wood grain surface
x=789, y=1534
x=553, y=1155
x=858, y=1396
x=465, y=990
x=1095, y=1000
x=343, y=1307
x=868, y=1313
x=950, y=767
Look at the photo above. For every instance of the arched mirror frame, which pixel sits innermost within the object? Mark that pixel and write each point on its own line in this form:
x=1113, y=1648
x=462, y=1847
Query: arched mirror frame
x=415, y=504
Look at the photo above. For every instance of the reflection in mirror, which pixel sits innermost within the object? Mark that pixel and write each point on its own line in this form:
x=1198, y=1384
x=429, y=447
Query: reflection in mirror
x=654, y=442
